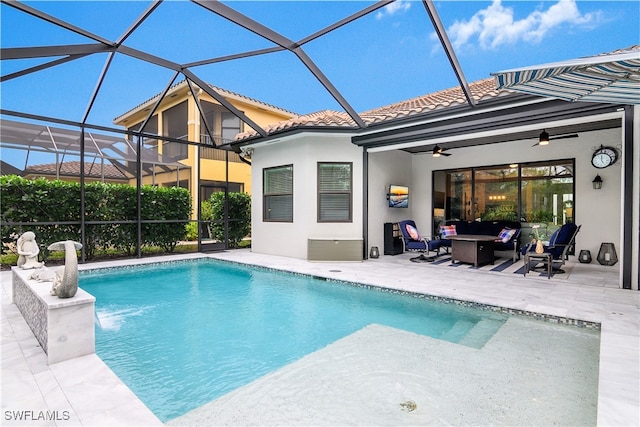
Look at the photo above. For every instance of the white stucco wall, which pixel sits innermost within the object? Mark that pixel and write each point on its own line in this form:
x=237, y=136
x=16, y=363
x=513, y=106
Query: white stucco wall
x=303, y=151
x=390, y=167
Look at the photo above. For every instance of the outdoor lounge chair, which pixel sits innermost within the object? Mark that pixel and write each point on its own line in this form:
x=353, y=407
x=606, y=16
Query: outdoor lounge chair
x=555, y=253
x=412, y=241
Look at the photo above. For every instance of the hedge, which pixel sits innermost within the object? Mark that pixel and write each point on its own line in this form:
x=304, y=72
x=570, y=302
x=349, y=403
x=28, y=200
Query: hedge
x=111, y=206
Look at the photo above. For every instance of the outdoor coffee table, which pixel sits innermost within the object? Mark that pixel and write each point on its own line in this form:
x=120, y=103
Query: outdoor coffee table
x=472, y=249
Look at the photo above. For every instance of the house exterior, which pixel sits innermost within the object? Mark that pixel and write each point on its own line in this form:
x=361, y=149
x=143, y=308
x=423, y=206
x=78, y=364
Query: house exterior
x=178, y=116
x=320, y=182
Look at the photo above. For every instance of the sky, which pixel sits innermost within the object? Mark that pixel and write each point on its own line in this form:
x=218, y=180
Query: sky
x=388, y=56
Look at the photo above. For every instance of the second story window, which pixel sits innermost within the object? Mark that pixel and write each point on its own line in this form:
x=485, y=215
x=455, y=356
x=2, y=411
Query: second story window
x=230, y=127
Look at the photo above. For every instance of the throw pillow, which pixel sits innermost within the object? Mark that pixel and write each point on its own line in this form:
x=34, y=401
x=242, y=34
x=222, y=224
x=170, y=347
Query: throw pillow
x=506, y=234
x=448, y=230
x=413, y=233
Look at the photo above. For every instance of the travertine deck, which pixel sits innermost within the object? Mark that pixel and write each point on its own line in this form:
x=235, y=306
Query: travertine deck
x=84, y=391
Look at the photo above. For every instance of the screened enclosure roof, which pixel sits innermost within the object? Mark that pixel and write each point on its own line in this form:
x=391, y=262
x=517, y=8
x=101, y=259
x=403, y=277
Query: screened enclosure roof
x=92, y=44
x=230, y=38
x=117, y=150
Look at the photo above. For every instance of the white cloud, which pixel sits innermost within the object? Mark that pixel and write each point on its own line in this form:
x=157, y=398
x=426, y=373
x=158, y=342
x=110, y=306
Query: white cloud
x=397, y=6
x=495, y=25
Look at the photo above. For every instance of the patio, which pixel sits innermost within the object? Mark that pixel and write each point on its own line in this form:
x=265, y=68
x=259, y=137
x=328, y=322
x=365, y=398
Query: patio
x=92, y=395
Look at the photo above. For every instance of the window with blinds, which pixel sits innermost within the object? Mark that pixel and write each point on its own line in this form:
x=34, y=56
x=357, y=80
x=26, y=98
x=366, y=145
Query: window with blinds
x=277, y=193
x=335, y=192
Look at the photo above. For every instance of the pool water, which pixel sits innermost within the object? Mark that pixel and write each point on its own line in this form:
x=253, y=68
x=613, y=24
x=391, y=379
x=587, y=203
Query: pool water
x=182, y=334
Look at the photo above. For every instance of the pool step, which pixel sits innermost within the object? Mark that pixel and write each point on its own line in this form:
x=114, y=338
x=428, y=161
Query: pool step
x=458, y=331
x=472, y=334
x=482, y=332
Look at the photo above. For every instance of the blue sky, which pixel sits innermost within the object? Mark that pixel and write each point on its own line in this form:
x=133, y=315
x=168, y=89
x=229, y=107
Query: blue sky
x=388, y=56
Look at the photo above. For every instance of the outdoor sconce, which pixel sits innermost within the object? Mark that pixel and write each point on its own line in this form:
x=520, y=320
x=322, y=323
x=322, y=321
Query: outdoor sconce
x=607, y=254
x=375, y=253
x=597, y=182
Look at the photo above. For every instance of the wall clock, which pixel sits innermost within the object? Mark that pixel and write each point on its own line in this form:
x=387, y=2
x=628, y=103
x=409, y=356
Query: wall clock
x=604, y=157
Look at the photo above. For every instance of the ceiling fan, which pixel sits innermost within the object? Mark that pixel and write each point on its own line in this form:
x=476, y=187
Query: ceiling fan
x=439, y=151
x=545, y=138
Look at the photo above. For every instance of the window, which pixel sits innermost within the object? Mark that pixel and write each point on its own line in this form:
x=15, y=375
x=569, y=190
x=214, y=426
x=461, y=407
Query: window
x=539, y=194
x=334, y=192
x=230, y=126
x=174, y=124
x=277, y=190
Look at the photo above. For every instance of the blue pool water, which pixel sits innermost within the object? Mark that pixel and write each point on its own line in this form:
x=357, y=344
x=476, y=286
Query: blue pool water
x=182, y=334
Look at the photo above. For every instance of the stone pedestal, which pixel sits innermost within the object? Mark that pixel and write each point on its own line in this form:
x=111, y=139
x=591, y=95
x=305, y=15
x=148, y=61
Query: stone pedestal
x=64, y=327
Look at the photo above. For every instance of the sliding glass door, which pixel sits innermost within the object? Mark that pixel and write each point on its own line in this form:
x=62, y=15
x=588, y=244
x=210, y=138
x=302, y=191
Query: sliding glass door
x=540, y=195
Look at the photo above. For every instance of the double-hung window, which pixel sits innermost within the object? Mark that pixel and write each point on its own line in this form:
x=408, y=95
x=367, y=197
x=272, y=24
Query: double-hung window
x=335, y=197
x=277, y=190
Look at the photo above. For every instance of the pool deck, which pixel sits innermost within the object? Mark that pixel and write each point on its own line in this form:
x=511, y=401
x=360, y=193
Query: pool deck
x=84, y=391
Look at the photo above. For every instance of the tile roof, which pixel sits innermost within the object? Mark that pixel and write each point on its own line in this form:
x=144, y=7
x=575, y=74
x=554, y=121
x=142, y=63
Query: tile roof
x=92, y=170
x=221, y=91
x=480, y=90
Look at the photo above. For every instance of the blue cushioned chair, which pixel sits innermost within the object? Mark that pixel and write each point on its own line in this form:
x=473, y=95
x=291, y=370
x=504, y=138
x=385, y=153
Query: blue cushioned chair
x=414, y=242
x=561, y=241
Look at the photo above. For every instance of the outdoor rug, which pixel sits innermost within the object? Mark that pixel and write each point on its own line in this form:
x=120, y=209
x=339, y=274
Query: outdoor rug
x=500, y=265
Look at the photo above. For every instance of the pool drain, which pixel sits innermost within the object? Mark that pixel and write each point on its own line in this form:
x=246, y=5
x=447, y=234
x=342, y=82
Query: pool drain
x=409, y=406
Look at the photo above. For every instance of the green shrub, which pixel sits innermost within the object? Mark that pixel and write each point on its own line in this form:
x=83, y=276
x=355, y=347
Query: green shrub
x=113, y=206
x=239, y=216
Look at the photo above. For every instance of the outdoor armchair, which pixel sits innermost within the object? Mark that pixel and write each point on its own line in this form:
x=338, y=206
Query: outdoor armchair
x=555, y=253
x=413, y=242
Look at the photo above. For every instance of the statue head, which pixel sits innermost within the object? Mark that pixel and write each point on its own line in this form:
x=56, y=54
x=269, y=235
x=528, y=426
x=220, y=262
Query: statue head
x=28, y=235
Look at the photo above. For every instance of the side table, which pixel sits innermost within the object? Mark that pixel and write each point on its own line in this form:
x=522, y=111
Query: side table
x=544, y=257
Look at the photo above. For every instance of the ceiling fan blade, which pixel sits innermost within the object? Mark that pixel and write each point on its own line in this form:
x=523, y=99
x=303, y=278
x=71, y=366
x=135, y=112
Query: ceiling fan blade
x=573, y=135
x=445, y=154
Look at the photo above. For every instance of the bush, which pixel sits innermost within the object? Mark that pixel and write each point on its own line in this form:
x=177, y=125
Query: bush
x=58, y=202
x=239, y=216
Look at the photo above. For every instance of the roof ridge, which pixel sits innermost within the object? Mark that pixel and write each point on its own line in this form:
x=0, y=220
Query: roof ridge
x=217, y=88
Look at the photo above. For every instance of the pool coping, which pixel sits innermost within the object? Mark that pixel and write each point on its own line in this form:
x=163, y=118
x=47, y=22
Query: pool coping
x=618, y=400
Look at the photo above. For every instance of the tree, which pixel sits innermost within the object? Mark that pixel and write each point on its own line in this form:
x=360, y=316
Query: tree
x=239, y=216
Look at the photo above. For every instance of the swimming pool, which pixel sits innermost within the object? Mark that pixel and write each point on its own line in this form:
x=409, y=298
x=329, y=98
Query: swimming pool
x=182, y=334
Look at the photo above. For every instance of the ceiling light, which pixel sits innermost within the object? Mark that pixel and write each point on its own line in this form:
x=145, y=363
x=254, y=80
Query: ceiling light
x=544, y=138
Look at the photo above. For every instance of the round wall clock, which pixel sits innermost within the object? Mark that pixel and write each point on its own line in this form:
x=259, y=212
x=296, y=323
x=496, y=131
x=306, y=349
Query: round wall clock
x=604, y=157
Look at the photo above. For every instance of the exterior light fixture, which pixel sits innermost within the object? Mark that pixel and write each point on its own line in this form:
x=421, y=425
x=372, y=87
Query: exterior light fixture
x=439, y=151
x=597, y=182
x=544, y=138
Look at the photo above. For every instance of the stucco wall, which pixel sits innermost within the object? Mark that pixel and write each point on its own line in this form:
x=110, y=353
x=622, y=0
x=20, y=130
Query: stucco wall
x=390, y=167
x=303, y=152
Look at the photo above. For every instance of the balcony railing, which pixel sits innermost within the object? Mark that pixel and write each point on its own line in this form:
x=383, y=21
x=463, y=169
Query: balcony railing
x=216, y=153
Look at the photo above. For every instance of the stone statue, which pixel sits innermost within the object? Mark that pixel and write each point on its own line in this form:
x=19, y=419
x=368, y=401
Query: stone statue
x=65, y=285
x=45, y=274
x=28, y=251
